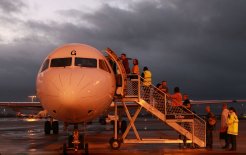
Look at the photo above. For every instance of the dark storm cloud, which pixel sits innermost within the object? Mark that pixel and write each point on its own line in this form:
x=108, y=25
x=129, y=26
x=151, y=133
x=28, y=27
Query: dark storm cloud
x=197, y=45
x=19, y=66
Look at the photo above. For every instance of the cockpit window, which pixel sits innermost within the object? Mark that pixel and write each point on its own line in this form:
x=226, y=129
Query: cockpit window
x=45, y=65
x=61, y=62
x=86, y=62
x=103, y=65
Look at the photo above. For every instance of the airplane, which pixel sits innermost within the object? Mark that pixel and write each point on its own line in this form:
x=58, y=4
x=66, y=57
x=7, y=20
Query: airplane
x=75, y=84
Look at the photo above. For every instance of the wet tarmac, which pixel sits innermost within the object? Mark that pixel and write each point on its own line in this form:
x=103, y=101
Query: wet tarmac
x=26, y=136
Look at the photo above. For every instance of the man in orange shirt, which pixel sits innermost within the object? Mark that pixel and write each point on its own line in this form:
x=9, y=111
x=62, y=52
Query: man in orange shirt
x=176, y=98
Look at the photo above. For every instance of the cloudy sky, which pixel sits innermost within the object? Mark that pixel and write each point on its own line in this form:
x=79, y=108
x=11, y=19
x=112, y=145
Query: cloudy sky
x=198, y=45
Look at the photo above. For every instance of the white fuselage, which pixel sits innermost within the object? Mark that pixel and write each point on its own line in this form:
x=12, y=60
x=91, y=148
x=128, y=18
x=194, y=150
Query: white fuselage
x=73, y=86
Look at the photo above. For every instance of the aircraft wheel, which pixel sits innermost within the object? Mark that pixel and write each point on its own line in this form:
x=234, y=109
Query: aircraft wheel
x=81, y=144
x=123, y=126
x=86, y=148
x=70, y=141
x=47, y=127
x=115, y=144
x=102, y=121
x=64, y=149
x=55, y=127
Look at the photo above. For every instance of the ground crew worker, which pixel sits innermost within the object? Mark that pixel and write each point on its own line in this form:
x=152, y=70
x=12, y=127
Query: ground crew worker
x=210, y=125
x=232, y=122
x=223, y=125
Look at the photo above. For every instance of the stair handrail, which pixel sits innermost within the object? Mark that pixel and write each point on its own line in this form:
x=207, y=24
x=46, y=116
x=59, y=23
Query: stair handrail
x=195, y=116
x=121, y=68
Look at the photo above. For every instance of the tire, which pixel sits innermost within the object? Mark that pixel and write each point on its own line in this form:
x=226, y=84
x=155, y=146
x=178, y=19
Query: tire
x=86, y=148
x=64, y=149
x=70, y=141
x=47, y=127
x=123, y=126
x=55, y=127
x=81, y=144
x=102, y=121
x=115, y=144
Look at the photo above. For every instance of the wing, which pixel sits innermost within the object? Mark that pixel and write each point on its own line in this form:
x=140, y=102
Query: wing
x=21, y=104
x=23, y=107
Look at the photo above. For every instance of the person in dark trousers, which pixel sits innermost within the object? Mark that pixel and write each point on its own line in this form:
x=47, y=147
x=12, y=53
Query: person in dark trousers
x=210, y=125
x=223, y=125
x=232, y=131
x=125, y=63
x=186, y=102
x=187, y=105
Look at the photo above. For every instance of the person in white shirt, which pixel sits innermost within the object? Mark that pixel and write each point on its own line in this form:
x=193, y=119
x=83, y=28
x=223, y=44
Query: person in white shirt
x=223, y=125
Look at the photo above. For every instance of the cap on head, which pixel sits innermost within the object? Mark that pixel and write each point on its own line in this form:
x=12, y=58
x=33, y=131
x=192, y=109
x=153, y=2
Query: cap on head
x=176, y=90
x=145, y=68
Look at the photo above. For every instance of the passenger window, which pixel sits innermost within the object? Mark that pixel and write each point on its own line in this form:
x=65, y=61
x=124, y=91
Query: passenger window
x=61, y=62
x=86, y=62
x=45, y=65
x=103, y=66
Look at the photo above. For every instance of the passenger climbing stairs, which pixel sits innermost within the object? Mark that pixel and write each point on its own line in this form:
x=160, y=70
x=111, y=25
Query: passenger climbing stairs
x=157, y=103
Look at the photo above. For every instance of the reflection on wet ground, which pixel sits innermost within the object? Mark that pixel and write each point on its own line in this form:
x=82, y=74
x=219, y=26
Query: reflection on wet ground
x=26, y=136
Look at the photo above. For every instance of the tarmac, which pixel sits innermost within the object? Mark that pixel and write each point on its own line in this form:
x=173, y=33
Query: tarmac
x=26, y=136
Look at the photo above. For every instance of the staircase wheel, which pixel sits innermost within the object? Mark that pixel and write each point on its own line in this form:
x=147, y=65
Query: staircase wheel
x=115, y=144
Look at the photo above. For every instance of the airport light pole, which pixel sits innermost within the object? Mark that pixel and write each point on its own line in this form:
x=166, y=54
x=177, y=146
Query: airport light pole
x=32, y=97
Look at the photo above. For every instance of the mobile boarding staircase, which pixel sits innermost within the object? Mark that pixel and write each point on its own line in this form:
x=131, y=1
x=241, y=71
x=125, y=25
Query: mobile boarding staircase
x=156, y=102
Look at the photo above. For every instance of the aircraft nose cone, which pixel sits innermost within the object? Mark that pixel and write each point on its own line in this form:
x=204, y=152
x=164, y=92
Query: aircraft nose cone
x=76, y=95
x=68, y=96
x=74, y=88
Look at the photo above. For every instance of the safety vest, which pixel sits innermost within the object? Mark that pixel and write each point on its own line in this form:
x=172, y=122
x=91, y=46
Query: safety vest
x=147, y=78
x=232, y=122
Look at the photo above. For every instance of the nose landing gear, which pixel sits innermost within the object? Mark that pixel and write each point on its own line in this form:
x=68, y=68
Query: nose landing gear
x=76, y=142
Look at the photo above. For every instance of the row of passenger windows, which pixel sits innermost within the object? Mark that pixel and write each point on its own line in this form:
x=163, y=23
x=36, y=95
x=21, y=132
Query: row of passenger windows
x=82, y=62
